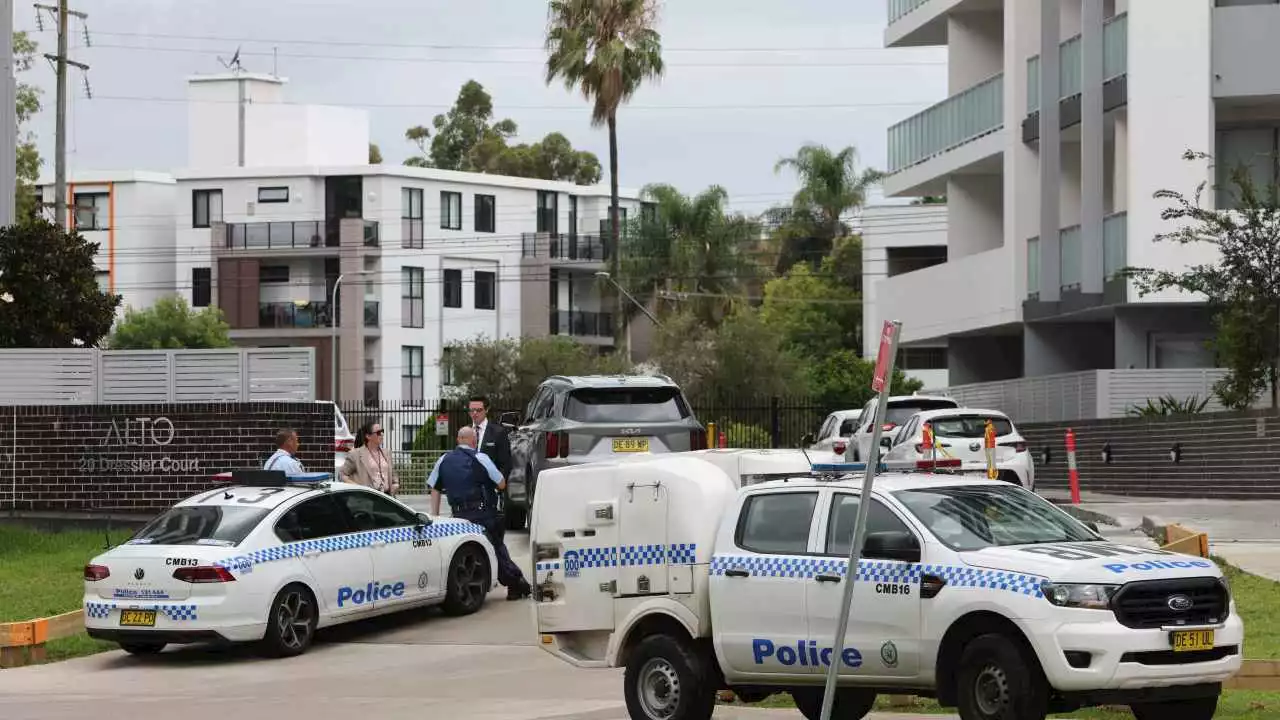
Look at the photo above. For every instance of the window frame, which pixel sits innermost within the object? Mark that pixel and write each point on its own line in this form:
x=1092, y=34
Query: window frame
x=205, y=196
x=489, y=214
x=411, y=357
x=406, y=517
x=491, y=279
x=413, y=306
x=273, y=281
x=451, y=287
x=832, y=502
x=412, y=227
x=327, y=497
x=447, y=198
x=739, y=532
x=448, y=374
x=270, y=194
x=101, y=221
x=201, y=286
x=547, y=218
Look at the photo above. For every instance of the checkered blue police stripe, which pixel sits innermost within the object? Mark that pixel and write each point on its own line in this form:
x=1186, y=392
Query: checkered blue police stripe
x=625, y=556
x=879, y=571
x=546, y=566
x=176, y=613
x=436, y=531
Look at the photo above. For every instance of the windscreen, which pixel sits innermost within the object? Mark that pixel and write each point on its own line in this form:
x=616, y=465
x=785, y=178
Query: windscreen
x=210, y=525
x=898, y=413
x=977, y=517
x=625, y=405
x=969, y=426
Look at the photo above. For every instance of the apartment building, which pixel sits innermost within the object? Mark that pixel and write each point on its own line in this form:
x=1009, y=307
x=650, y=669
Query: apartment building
x=1063, y=118
x=280, y=221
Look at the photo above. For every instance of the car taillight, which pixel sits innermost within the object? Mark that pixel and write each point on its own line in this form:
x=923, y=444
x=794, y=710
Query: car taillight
x=697, y=439
x=203, y=574
x=94, y=573
x=557, y=445
x=840, y=447
x=888, y=426
x=342, y=445
x=1018, y=446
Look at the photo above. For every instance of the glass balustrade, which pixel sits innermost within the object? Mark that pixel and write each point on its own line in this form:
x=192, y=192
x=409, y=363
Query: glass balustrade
x=953, y=122
x=1115, y=61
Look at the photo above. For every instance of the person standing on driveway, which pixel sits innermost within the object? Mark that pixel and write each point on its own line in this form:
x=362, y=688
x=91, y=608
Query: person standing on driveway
x=492, y=440
x=368, y=464
x=472, y=482
x=284, y=457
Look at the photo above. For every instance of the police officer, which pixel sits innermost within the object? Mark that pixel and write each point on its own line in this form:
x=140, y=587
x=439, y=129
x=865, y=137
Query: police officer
x=472, y=482
x=284, y=457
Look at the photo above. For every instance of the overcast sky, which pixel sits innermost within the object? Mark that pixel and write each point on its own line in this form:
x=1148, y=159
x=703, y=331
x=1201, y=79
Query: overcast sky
x=709, y=121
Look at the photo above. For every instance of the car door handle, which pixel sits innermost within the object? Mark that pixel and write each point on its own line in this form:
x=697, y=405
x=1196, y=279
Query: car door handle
x=379, y=543
x=311, y=554
x=736, y=572
x=828, y=578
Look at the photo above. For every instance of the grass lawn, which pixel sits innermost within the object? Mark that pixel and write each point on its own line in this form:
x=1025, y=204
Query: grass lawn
x=43, y=575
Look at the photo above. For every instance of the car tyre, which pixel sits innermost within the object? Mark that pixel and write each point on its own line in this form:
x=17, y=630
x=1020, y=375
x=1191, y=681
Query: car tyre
x=850, y=703
x=1197, y=709
x=996, y=681
x=667, y=679
x=291, y=623
x=469, y=581
x=142, y=648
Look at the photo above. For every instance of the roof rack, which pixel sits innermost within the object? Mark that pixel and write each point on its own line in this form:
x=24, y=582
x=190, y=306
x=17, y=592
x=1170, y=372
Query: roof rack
x=272, y=478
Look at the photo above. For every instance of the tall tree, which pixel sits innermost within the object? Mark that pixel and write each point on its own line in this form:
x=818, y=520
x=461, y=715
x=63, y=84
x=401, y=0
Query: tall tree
x=606, y=49
x=830, y=186
x=28, y=104
x=49, y=294
x=375, y=154
x=170, y=324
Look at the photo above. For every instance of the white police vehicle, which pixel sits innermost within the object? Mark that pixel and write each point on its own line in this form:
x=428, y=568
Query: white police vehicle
x=270, y=558
x=976, y=592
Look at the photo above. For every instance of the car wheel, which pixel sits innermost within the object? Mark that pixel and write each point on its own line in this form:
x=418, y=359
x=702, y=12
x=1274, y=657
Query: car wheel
x=291, y=624
x=142, y=648
x=469, y=581
x=1197, y=709
x=666, y=679
x=850, y=703
x=996, y=682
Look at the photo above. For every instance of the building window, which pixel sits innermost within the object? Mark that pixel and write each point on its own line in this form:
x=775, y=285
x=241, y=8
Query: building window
x=91, y=211
x=413, y=298
x=372, y=394
x=273, y=273
x=411, y=387
x=448, y=373
x=453, y=288
x=486, y=290
x=104, y=280
x=201, y=287
x=606, y=229
x=548, y=211
x=410, y=435
x=450, y=210
x=573, y=214
x=922, y=358
x=411, y=217
x=486, y=213
x=273, y=194
x=206, y=208
x=648, y=212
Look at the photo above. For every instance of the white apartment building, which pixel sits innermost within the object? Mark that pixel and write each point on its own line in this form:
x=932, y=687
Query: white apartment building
x=1048, y=200
x=279, y=207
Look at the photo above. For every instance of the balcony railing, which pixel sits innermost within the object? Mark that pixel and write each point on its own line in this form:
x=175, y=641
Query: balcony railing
x=1115, y=62
x=279, y=235
x=578, y=323
x=1115, y=239
x=899, y=8
x=951, y=123
x=372, y=313
x=584, y=248
x=293, y=315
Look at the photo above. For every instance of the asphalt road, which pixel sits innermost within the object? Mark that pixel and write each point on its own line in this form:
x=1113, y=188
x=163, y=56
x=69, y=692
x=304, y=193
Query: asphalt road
x=412, y=665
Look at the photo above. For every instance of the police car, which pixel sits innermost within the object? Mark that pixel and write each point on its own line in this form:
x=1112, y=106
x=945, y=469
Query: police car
x=976, y=592
x=270, y=558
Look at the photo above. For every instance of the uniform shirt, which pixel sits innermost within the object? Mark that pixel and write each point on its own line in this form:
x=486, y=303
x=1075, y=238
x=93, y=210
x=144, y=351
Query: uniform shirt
x=282, y=460
x=484, y=460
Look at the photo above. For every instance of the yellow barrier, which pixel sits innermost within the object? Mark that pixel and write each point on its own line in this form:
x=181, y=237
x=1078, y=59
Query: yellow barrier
x=1183, y=540
x=23, y=642
x=1256, y=675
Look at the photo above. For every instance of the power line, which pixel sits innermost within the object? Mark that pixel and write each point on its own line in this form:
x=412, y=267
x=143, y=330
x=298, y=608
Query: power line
x=60, y=62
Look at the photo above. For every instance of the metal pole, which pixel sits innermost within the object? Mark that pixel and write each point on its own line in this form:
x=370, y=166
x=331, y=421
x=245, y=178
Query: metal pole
x=623, y=290
x=60, y=126
x=333, y=342
x=9, y=143
x=859, y=528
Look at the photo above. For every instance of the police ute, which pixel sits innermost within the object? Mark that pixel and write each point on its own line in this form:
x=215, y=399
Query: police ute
x=269, y=558
x=976, y=592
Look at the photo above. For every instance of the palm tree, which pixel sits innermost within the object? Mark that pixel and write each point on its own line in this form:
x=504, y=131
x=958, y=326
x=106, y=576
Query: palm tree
x=830, y=186
x=606, y=49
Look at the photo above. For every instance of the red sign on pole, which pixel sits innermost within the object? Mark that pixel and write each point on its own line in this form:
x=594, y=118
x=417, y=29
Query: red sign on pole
x=880, y=379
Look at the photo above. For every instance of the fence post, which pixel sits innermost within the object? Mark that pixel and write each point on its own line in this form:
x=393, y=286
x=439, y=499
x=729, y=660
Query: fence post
x=775, y=422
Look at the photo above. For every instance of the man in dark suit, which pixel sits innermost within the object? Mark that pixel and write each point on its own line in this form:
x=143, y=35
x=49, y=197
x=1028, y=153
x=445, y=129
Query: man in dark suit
x=492, y=440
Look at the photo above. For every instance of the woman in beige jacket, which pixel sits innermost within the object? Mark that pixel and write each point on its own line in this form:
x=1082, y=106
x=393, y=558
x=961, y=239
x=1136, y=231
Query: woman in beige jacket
x=369, y=464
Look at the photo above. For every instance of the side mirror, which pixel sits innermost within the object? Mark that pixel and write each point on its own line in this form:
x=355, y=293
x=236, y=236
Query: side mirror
x=886, y=442
x=509, y=419
x=424, y=520
x=1092, y=526
x=807, y=439
x=894, y=545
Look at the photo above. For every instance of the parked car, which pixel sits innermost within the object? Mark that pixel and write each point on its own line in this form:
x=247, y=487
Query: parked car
x=573, y=420
x=899, y=409
x=836, y=431
x=958, y=433
x=344, y=441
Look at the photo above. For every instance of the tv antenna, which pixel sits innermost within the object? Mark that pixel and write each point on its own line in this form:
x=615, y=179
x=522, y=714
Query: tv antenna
x=234, y=63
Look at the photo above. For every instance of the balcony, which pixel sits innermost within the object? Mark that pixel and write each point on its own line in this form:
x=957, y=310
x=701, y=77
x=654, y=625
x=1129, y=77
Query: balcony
x=297, y=316
x=566, y=248
x=1245, y=52
x=947, y=137
x=921, y=23
x=582, y=324
x=1115, y=238
x=1115, y=67
x=971, y=293
x=293, y=235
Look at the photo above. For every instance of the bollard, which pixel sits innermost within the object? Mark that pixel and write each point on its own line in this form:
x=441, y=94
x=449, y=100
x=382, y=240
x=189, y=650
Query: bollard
x=723, y=440
x=711, y=434
x=989, y=446
x=1072, y=475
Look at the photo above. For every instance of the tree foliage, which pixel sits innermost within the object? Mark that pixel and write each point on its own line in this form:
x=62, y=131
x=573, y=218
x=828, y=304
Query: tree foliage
x=467, y=139
x=509, y=370
x=1242, y=287
x=49, y=294
x=743, y=357
x=831, y=185
x=375, y=154
x=819, y=312
x=170, y=324
x=28, y=104
x=843, y=379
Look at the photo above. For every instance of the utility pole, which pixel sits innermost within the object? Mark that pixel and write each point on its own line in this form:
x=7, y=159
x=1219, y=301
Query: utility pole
x=8, y=106
x=61, y=61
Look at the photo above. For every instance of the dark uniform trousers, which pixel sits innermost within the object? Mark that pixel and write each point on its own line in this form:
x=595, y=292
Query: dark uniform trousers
x=474, y=497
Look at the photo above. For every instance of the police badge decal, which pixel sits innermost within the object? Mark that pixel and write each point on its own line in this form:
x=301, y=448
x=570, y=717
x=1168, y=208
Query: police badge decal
x=889, y=654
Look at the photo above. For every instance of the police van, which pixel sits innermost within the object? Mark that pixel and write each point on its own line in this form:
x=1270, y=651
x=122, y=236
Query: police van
x=976, y=592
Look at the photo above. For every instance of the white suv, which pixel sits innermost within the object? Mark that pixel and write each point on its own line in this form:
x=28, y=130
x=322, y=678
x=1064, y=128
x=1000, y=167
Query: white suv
x=959, y=434
x=900, y=408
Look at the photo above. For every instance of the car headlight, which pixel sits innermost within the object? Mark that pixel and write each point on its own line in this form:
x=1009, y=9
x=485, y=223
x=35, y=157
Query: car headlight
x=1089, y=597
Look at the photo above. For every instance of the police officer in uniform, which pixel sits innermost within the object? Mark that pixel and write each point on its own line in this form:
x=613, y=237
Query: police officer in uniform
x=472, y=482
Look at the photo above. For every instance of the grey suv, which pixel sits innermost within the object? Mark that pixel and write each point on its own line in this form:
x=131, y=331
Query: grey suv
x=573, y=420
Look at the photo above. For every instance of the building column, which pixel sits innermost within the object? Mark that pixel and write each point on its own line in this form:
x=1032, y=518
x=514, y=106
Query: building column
x=351, y=321
x=1050, y=152
x=1092, y=148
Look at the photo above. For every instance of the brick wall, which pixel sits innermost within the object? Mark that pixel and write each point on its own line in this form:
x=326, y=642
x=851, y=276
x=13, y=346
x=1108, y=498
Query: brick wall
x=1224, y=455
x=142, y=458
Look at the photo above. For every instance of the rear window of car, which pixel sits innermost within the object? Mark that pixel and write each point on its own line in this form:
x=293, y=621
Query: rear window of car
x=625, y=405
x=899, y=412
x=969, y=426
x=223, y=525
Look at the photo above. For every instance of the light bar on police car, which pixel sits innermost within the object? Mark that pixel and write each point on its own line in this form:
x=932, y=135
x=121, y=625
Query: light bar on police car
x=272, y=478
x=883, y=466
